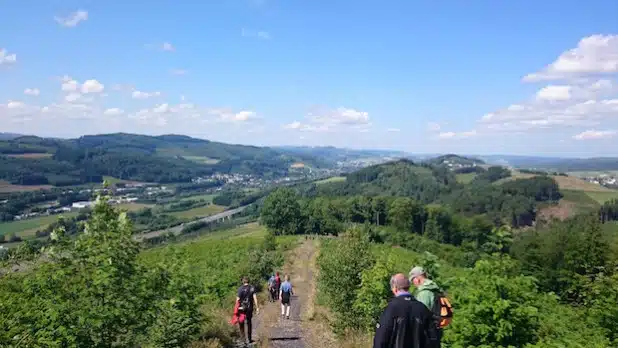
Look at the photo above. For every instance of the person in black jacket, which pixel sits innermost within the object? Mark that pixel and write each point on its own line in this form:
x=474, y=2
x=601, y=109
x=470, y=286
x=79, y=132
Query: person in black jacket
x=405, y=323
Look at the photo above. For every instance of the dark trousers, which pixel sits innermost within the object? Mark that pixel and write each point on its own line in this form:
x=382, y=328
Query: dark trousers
x=249, y=325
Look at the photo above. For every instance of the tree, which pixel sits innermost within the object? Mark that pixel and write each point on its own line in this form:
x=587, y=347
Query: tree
x=281, y=212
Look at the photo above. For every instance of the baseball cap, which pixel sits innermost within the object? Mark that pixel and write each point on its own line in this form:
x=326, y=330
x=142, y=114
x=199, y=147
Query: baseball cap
x=416, y=271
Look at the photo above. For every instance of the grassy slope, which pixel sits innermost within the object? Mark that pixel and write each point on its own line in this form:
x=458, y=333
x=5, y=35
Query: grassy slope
x=465, y=178
x=28, y=227
x=331, y=179
x=199, y=211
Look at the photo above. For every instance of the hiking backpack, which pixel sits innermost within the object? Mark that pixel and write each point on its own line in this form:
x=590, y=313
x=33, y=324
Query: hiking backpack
x=245, y=300
x=442, y=309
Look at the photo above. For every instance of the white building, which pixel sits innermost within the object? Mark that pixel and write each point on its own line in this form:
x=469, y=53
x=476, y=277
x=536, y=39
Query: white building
x=82, y=205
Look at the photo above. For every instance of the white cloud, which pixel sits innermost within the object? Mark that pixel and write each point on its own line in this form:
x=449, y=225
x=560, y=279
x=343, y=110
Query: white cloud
x=113, y=112
x=161, y=109
x=73, y=19
x=596, y=54
x=457, y=135
x=15, y=105
x=166, y=46
x=226, y=115
x=144, y=95
x=586, y=98
x=6, y=58
x=393, y=130
x=434, y=126
x=260, y=34
x=32, y=91
x=554, y=93
x=594, y=134
x=92, y=86
x=72, y=97
x=327, y=120
x=69, y=85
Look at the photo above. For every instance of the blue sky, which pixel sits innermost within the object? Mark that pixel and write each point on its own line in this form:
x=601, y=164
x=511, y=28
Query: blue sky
x=483, y=76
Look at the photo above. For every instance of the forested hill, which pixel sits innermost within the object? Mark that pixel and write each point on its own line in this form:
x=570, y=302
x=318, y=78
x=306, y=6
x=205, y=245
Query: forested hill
x=30, y=160
x=513, y=202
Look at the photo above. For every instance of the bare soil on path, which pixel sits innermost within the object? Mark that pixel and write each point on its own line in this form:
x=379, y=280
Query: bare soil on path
x=300, y=331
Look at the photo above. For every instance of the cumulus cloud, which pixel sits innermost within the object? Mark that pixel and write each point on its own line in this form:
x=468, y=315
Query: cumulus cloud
x=113, y=112
x=6, y=58
x=144, y=95
x=594, y=134
x=227, y=115
x=329, y=120
x=586, y=95
x=393, y=130
x=596, y=54
x=73, y=19
x=32, y=91
x=92, y=86
x=553, y=93
x=166, y=46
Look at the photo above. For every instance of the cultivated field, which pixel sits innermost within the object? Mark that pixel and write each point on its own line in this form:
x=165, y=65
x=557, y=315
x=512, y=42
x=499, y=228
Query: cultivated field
x=8, y=187
x=331, y=179
x=30, y=155
x=199, y=211
x=603, y=197
x=207, y=198
x=134, y=206
x=28, y=227
x=584, y=174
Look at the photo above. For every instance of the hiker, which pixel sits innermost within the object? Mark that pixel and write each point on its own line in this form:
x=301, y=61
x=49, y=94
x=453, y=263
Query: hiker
x=284, y=294
x=272, y=290
x=246, y=301
x=430, y=294
x=277, y=284
x=405, y=323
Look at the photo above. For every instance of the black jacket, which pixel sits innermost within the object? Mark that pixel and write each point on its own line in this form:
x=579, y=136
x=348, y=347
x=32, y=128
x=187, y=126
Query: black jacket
x=406, y=323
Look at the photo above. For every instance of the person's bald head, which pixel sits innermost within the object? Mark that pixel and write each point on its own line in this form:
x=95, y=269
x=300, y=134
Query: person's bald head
x=399, y=282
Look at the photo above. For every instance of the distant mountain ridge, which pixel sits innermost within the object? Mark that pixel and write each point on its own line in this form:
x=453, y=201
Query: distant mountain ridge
x=31, y=160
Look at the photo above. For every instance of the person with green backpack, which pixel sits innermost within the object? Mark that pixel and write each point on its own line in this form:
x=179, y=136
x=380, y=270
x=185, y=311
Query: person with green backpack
x=434, y=298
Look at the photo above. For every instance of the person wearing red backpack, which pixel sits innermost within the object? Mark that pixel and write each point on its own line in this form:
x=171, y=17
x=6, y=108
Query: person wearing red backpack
x=430, y=294
x=277, y=284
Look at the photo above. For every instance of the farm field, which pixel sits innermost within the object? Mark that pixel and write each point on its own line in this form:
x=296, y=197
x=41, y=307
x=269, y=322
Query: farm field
x=603, y=197
x=207, y=198
x=583, y=174
x=573, y=183
x=28, y=227
x=331, y=179
x=30, y=155
x=465, y=178
x=198, y=212
x=134, y=206
x=6, y=187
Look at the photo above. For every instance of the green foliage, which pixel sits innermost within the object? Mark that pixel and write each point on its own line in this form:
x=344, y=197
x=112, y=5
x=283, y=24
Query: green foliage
x=374, y=291
x=495, y=307
x=281, y=212
x=96, y=293
x=341, y=264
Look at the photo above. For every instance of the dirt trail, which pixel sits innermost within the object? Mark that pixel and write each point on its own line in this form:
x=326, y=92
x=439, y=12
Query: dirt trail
x=275, y=331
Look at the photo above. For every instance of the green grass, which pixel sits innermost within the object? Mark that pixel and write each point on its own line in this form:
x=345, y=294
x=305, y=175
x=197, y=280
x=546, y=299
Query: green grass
x=465, y=178
x=602, y=197
x=28, y=227
x=198, y=212
x=331, y=179
x=113, y=181
x=207, y=198
x=582, y=174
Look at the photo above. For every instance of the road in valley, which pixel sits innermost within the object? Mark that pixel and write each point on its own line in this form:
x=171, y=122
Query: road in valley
x=176, y=230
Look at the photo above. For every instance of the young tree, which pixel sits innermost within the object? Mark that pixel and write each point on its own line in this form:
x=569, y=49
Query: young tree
x=281, y=212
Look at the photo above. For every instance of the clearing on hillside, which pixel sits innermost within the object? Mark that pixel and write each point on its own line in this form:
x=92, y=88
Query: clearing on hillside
x=297, y=165
x=113, y=181
x=465, y=178
x=201, y=159
x=28, y=227
x=603, y=197
x=331, y=179
x=573, y=183
x=34, y=155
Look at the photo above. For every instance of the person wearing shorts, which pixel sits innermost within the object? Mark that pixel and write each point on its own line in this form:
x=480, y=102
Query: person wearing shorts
x=285, y=293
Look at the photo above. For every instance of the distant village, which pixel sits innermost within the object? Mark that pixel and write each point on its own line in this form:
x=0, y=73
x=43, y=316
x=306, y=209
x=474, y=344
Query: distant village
x=607, y=180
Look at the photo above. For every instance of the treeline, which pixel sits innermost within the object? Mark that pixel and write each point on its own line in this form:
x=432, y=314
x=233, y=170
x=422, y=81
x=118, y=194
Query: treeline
x=22, y=202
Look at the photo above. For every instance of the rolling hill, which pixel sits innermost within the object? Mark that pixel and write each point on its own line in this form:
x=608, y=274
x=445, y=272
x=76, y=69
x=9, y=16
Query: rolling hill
x=30, y=160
